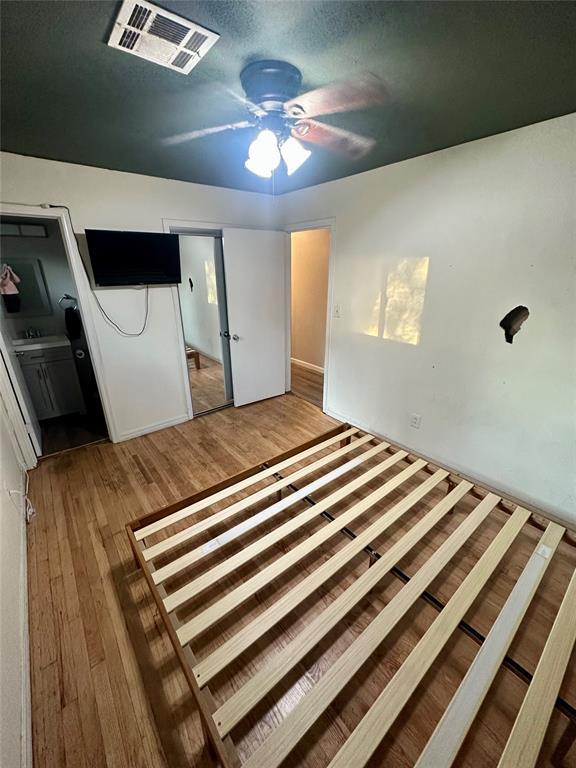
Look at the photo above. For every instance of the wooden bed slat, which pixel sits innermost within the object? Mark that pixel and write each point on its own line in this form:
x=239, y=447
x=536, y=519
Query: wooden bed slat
x=241, y=702
x=449, y=735
x=527, y=735
x=375, y=724
x=206, y=669
x=181, y=514
x=175, y=566
x=235, y=598
x=218, y=517
x=296, y=724
x=282, y=535
x=205, y=580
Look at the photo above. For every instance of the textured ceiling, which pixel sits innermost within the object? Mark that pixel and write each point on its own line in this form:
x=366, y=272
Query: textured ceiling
x=455, y=71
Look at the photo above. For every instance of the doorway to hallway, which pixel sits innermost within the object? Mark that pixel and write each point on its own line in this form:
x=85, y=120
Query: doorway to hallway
x=310, y=251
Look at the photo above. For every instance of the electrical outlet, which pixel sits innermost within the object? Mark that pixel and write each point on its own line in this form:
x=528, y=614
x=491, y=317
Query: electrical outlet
x=415, y=420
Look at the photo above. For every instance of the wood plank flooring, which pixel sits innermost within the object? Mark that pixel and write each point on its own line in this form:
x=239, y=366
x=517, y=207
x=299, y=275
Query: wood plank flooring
x=206, y=384
x=70, y=431
x=106, y=687
x=307, y=384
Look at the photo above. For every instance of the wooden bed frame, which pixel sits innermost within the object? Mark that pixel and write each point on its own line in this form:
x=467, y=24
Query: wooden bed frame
x=336, y=550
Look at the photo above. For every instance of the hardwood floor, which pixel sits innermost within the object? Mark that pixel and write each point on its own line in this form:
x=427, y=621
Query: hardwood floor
x=71, y=431
x=206, y=384
x=307, y=384
x=106, y=688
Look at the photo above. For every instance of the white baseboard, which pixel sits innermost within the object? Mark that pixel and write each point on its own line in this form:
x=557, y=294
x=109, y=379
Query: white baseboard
x=152, y=428
x=444, y=462
x=304, y=364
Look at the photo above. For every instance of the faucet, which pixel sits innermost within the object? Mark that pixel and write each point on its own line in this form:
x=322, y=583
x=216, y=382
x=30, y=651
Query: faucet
x=33, y=333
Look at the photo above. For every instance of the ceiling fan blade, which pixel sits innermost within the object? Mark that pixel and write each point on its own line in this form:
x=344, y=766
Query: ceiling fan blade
x=250, y=106
x=364, y=91
x=180, y=138
x=334, y=139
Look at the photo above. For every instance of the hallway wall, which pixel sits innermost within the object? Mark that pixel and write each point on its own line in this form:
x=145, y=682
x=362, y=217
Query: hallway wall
x=310, y=253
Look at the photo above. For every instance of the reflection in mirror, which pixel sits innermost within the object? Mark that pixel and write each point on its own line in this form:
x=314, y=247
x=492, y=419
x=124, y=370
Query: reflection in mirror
x=397, y=302
x=210, y=273
x=202, y=305
x=32, y=293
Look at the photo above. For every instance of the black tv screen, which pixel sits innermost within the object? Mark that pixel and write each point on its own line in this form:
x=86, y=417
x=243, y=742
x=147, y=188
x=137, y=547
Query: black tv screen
x=133, y=258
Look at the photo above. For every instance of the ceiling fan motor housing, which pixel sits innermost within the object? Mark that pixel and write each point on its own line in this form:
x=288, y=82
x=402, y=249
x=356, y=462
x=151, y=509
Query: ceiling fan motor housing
x=270, y=83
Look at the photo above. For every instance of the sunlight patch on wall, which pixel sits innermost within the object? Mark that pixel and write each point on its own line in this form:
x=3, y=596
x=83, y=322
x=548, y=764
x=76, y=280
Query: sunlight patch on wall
x=210, y=274
x=396, y=312
x=373, y=328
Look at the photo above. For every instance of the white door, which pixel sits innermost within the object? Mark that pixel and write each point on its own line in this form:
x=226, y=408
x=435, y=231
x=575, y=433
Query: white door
x=255, y=270
x=21, y=390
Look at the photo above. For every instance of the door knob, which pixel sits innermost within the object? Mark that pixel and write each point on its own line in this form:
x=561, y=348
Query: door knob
x=235, y=337
x=225, y=334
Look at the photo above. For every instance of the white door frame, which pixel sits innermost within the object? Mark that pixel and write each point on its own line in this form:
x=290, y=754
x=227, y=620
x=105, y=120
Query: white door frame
x=82, y=291
x=302, y=226
x=14, y=414
x=207, y=229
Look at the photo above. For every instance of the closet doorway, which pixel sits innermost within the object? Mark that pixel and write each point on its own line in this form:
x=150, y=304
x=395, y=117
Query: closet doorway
x=233, y=304
x=203, y=308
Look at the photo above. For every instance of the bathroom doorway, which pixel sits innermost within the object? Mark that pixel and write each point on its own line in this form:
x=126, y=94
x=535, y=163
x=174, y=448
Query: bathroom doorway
x=43, y=335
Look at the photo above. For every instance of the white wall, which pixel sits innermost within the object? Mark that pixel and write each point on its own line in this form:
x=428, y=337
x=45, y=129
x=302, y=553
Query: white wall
x=494, y=223
x=309, y=265
x=14, y=682
x=145, y=376
x=200, y=319
x=50, y=251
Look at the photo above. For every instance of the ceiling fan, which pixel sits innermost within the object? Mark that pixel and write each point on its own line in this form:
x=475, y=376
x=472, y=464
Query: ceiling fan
x=285, y=119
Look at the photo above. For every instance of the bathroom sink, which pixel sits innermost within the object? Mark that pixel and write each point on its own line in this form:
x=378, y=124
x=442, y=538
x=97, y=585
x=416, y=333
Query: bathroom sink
x=42, y=342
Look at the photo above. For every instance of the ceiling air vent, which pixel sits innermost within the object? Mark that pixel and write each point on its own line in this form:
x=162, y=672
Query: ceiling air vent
x=160, y=36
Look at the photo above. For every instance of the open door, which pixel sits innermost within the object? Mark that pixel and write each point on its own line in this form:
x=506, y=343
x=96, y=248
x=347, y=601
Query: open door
x=255, y=267
x=20, y=387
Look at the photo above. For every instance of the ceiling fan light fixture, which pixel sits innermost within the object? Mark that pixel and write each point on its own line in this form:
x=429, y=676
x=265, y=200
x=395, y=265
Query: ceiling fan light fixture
x=257, y=168
x=263, y=154
x=293, y=154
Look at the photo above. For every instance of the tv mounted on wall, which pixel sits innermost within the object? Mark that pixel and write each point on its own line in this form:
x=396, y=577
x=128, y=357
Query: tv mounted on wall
x=133, y=258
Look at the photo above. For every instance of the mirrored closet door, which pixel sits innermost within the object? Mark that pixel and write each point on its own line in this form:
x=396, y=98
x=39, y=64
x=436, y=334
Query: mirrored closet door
x=202, y=294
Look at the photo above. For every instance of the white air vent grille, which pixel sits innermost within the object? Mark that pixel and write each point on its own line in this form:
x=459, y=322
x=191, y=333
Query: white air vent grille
x=128, y=39
x=160, y=36
x=181, y=59
x=196, y=41
x=139, y=17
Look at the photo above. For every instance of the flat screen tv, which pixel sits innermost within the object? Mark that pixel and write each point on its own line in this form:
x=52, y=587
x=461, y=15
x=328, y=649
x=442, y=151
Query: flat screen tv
x=133, y=258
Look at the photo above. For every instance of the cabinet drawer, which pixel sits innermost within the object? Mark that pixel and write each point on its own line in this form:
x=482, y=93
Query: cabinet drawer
x=44, y=355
